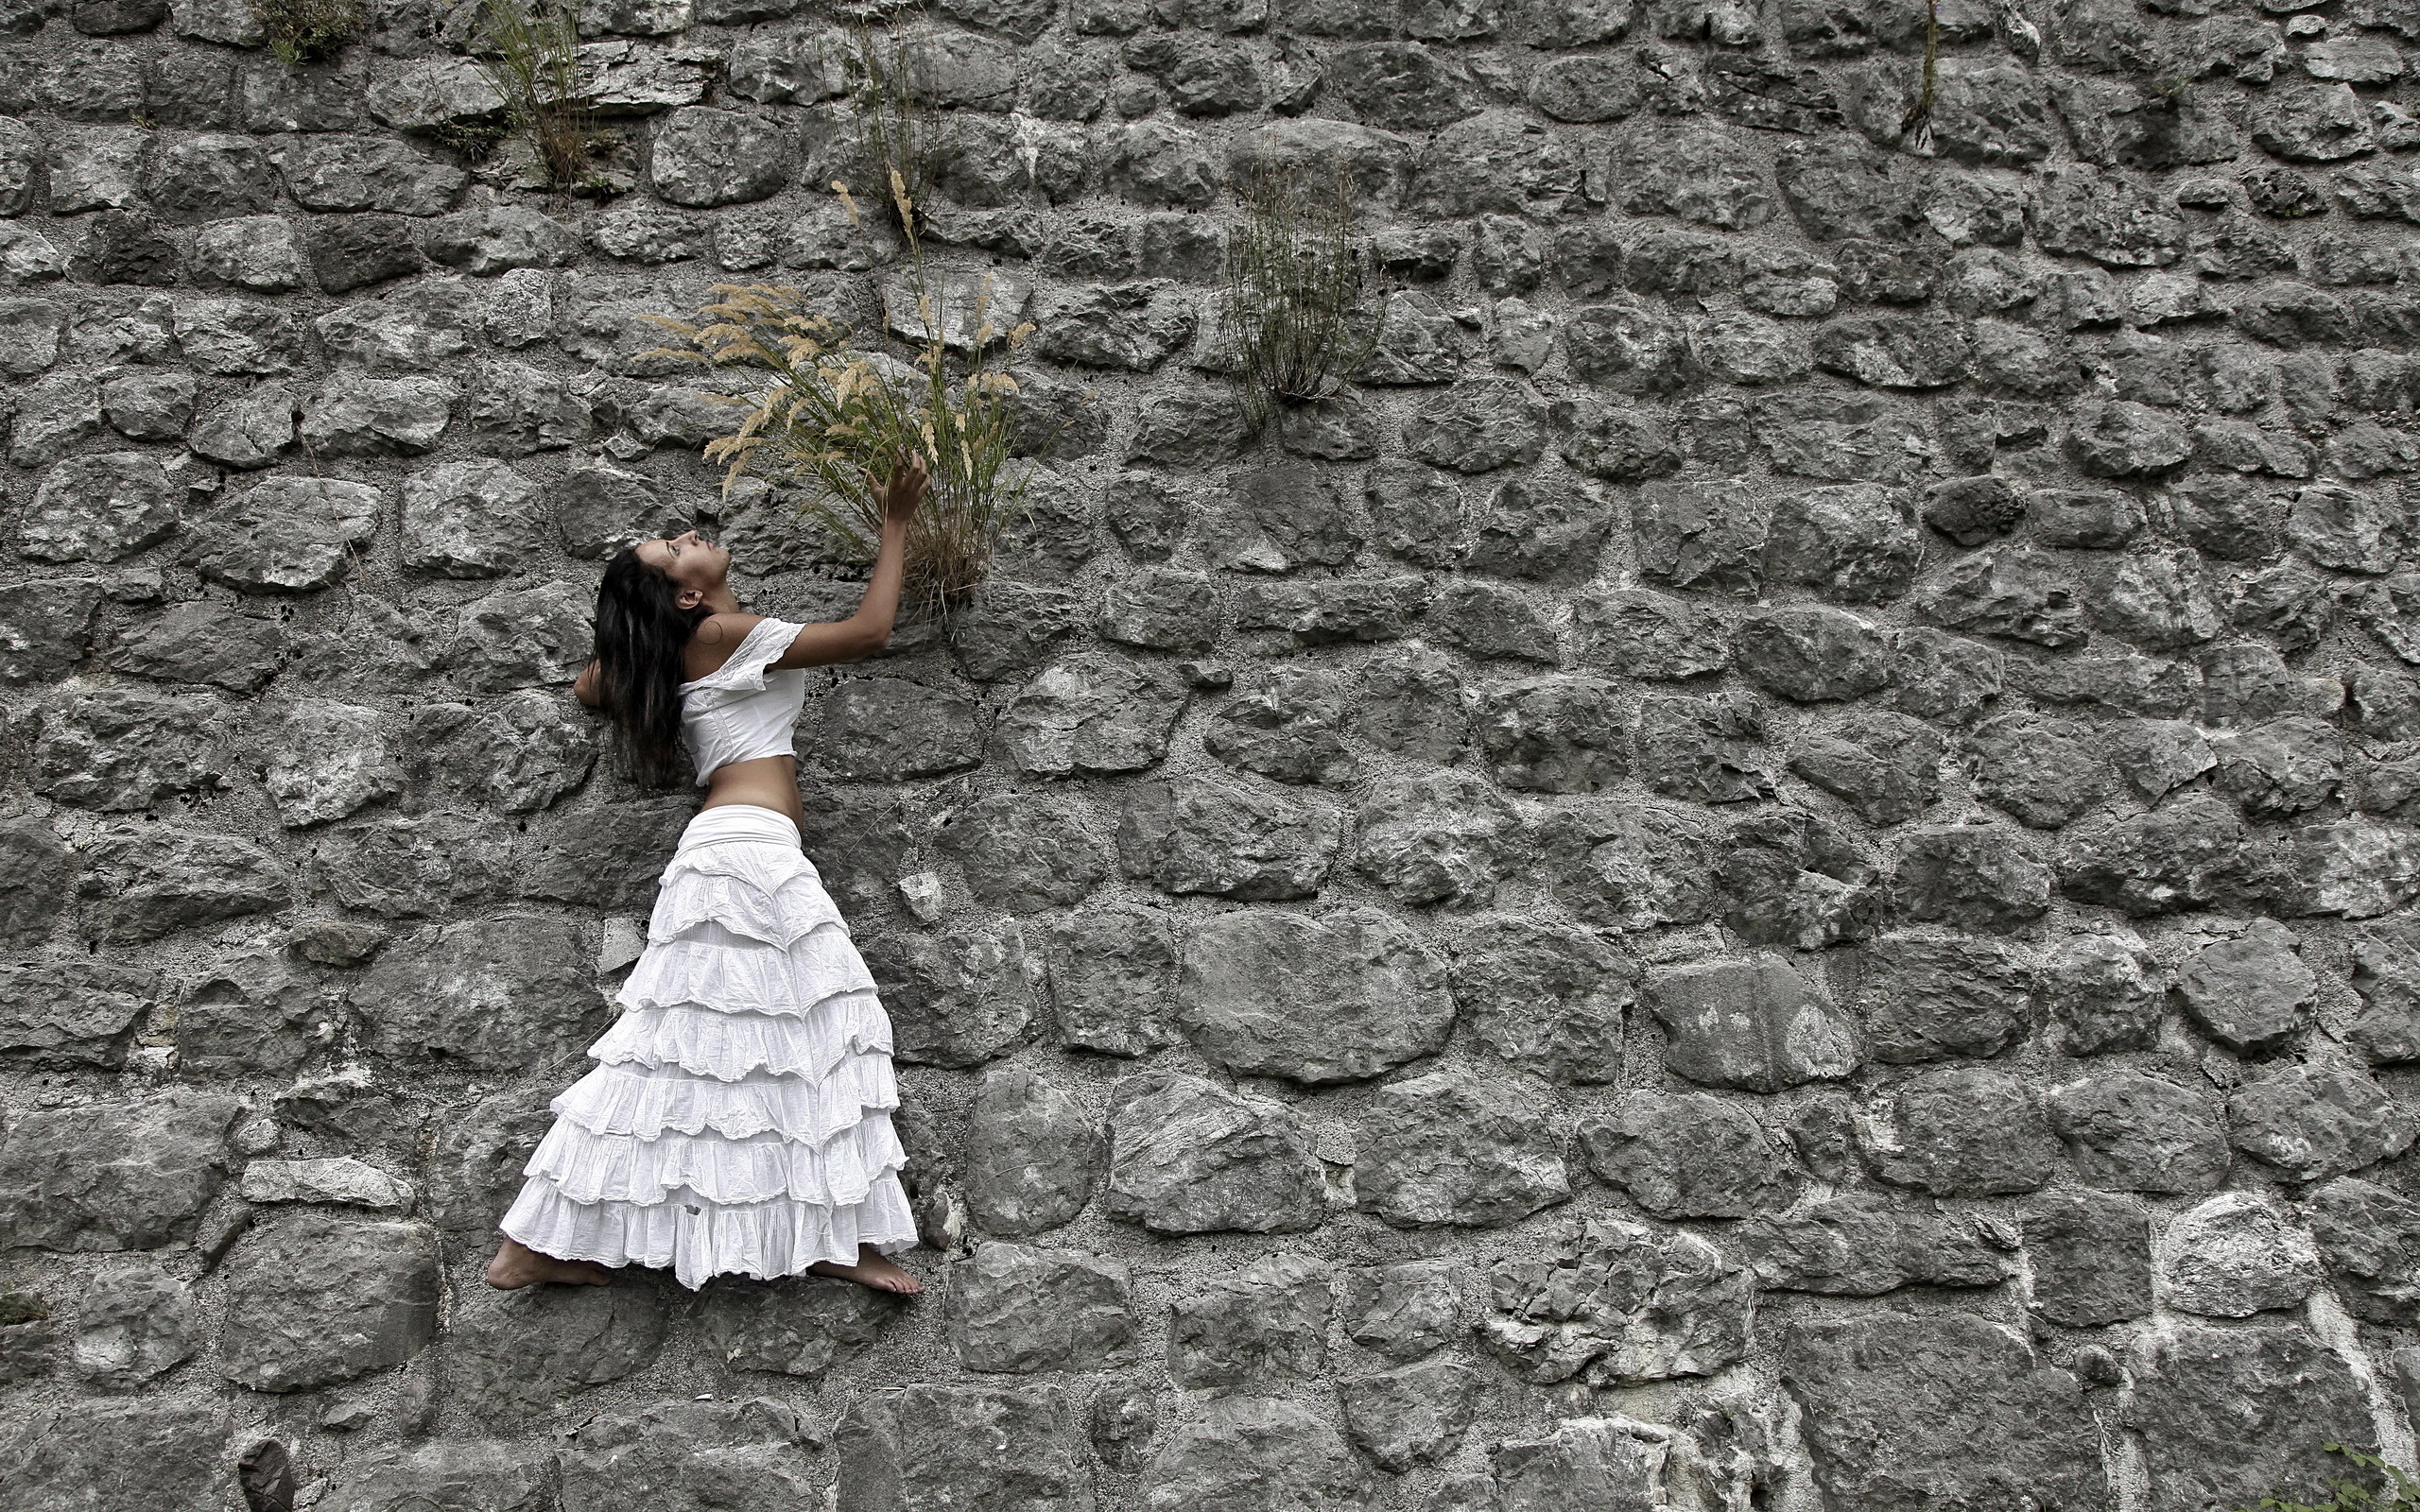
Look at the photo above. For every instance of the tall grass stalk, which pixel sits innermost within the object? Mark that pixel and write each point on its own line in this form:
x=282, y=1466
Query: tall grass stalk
x=832, y=419
x=1296, y=276
x=896, y=135
x=531, y=59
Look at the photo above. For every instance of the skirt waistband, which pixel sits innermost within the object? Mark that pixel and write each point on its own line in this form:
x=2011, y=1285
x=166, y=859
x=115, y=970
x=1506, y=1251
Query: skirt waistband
x=740, y=821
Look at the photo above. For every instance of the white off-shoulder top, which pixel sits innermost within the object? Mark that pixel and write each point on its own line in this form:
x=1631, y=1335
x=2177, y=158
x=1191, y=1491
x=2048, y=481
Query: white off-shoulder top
x=740, y=711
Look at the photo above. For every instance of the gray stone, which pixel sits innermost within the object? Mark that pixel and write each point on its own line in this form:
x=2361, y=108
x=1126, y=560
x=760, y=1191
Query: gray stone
x=1858, y=543
x=119, y=750
x=1111, y=968
x=1189, y=1157
x=349, y=414
x=2044, y=772
x=515, y=1356
x=1413, y=1415
x=1962, y=1131
x=1754, y=1025
x=988, y=1448
x=1920, y=998
x=1402, y=1311
x=1687, y=1155
x=410, y=868
x=2369, y=1237
x=1546, y=998
x=1709, y=749
x=1458, y=1147
x=485, y=1474
x=2090, y=1255
x=519, y=753
x=1555, y=734
x=1288, y=726
x=680, y=1456
x=1246, y=1454
x=1258, y=1327
x=2251, y=993
x=1025, y=852
x=1702, y=535
x=102, y=508
x=156, y=881
x=145, y=1457
x=473, y=519
x=136, y=1323
x=1208, y=835
x=2386, y=973
x=1316, y=999
x=2237, y=1254
x=2024, y=596
x=2188, y=854
x=1443, y=837
x=499, y=238
x=1970, y=875
x=252, y=430
x=1810, y=654
x=71, y=1012
x=1959, y=1403
x=959, y=997
x=522, y=638
x=2310, y=1123
x=492, y=993
x=316, y=1301
x=1885, y=767
x=285, y=533
x=2131, y=1132
x=1018, y=1309
x=1617, y=1303
x=797, y=1326
x=37, y=879
x=251, y=1012
x=1791, y=877
x=1645, y=634
x=335, y=171
x=329, y=760
x=1631, y=865
x=45, y=627
x=123, y=1176
x=1091, y=713
x=328, y=1180
x=2105, y=992
x=1033, y=1154
x=1862, y=1244
x=2226, y=1413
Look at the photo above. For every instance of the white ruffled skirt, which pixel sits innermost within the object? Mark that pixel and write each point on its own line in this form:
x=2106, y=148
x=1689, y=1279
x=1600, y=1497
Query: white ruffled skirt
x=738, y=1120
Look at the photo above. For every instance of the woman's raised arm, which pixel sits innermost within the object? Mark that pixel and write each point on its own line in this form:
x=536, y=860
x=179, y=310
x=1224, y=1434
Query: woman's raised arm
x=868, y=630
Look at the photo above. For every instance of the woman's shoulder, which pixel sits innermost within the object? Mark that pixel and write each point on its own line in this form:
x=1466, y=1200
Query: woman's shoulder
x=718, y=637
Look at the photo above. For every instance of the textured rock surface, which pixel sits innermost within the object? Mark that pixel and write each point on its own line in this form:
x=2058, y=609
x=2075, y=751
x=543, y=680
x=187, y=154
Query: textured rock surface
x=1814, y=763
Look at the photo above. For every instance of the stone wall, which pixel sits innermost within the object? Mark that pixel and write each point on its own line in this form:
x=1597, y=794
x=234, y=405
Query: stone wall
x=1775, y=871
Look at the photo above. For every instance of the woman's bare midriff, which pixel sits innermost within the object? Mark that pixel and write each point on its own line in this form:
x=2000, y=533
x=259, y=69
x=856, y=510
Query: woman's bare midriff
x=767, y=782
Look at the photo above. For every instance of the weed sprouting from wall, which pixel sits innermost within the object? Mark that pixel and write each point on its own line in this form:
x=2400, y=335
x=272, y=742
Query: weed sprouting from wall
x=832, y=417
x=303, y=31
x=896, y=134
x=1297, y=279
x=529, y=51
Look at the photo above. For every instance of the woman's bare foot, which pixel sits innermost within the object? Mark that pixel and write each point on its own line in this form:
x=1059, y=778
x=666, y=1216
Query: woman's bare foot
x=517, y=1265
x=873, y=1268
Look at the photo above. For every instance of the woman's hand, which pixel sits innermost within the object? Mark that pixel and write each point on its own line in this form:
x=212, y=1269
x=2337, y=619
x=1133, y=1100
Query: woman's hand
x=905, y=492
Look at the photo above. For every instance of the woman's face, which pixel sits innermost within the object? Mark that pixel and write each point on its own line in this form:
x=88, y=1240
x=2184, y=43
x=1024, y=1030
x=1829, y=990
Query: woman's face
x=696, y=565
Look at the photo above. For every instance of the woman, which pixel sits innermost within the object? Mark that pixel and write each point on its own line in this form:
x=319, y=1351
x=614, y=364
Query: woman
x=738, y=1119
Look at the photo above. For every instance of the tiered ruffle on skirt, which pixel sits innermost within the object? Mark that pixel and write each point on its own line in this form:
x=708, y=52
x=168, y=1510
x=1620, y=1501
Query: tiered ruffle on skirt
x=738, y=1119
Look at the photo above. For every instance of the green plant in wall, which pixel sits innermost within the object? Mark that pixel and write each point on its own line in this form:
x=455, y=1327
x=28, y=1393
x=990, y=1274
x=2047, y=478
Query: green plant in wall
x=303, y=31
x=1296, y=319
x=897, y=134
x=529, y=52
x=828, y=418
x=1919, y=116
x=2388, y=1486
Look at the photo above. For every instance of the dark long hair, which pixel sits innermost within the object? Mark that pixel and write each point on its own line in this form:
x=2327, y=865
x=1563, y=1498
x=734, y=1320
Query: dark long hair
x=640, y=632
